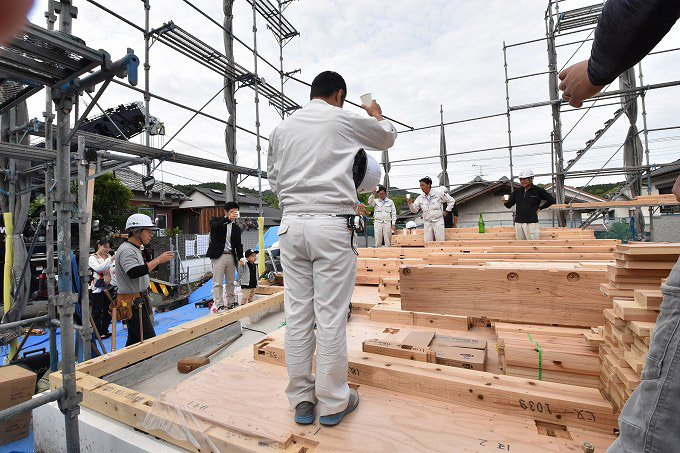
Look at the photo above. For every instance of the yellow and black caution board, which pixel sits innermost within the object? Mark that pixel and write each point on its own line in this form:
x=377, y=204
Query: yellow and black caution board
x=159, y=288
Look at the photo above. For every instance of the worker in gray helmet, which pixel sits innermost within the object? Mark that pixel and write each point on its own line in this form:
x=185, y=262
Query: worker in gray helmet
x=133, y=276
x=430, y=202
x=384, y=216
x=529, y=199
x=315, y=165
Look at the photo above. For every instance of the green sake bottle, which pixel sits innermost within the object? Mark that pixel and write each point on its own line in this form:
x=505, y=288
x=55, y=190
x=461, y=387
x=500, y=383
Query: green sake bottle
x=481, y=223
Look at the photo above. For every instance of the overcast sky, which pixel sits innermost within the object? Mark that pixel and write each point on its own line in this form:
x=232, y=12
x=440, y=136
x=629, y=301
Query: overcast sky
x=412, y=55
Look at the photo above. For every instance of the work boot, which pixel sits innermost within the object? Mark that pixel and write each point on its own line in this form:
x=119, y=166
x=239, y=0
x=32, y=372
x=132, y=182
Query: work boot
x=304, y=413
x=334, y=419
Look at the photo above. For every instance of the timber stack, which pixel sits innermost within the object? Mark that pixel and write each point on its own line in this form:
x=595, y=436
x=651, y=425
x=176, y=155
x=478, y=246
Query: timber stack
x=548, y=353
x=634, y=289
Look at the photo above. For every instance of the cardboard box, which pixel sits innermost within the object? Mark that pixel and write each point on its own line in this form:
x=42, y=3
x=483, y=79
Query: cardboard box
x=459, y=342
x=17, y=385
x=471, y=359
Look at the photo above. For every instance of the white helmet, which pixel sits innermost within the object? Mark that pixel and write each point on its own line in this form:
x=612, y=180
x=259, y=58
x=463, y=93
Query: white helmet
x=140, y=221
x=526, y=174
x=411, y=225
x=366, y=172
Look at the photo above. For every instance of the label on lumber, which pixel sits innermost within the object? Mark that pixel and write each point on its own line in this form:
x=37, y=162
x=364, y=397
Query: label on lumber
x=460, y=342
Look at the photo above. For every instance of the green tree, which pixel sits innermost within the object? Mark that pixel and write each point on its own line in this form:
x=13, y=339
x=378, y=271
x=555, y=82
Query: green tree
x=111, y=205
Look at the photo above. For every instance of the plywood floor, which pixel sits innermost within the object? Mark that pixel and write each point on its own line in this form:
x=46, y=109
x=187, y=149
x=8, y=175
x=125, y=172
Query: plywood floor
x=248, y=397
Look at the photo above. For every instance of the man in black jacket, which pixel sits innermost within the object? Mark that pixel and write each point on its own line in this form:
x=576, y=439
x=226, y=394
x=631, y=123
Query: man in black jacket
x=225, y=251
x=626, y=31
x=528, y=199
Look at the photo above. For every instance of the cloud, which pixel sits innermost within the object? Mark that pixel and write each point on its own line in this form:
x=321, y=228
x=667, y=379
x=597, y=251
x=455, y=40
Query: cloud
x=413, y=57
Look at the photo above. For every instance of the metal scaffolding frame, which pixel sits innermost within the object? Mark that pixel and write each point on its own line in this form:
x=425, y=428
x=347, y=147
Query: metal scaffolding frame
x=565, y=23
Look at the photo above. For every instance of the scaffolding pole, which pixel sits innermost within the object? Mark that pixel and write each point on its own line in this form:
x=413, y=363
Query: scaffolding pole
x=645, y=132
x=69, y=404
x=556, y=118
x=507, y=104
x=258, y=148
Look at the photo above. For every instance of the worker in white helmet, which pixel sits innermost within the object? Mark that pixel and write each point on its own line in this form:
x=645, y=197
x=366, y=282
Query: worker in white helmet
x=528, y=200
x=315, y=166
x=431, y=204
x=133, y=276
x=384, y=216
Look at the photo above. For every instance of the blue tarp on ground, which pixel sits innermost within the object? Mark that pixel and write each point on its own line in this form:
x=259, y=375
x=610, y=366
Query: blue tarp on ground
x=202, y=293
x=162, y=322
x=270, y=236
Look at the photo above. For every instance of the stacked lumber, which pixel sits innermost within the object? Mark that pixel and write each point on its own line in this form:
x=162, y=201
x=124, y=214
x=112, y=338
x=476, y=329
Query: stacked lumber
x=548, y=353
x=634, y=289
x=459, y=352
x=540, y=294
x=640, y=200
x=417, y=240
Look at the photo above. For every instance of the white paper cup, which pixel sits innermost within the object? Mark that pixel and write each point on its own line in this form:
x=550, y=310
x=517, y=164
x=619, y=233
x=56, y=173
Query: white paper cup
x=506, y=197
x=366, y=99
x=408, y=196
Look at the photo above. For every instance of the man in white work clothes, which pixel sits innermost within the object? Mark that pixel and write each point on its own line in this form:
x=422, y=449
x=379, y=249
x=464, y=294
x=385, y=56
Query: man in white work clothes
x=384, y=217
x=430, y=203
x=310, y=168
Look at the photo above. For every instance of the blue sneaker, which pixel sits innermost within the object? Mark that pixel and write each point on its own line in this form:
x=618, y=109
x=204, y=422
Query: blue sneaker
x=334, y=419
x=304, y=413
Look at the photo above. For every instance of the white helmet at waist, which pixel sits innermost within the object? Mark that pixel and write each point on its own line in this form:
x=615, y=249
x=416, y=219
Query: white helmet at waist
x=411, y=225
x=526, y=174
x=365, y=172
x=140, y=221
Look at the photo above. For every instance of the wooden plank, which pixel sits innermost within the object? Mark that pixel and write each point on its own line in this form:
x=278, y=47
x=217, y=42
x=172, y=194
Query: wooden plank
x=565, y=297
x=661, y=265
x=120, y=358
x=629, y=310
x=535, y=329
x=642, y=328
x=565, y=404
x=580, y=380
x=650, y=299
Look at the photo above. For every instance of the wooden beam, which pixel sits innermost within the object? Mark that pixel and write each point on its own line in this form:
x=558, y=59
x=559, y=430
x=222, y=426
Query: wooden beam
x=116, y=360
x=547, y=401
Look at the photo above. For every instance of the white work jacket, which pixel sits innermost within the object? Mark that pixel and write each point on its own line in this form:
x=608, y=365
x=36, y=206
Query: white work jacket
x=432, y=205
x=311, y=154
x=384, y=211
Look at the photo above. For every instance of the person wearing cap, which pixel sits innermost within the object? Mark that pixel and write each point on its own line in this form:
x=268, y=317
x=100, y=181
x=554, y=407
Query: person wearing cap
x=133, y=275
x=311, y=165
x=528, y=200
x=431, y=202
x=384, y=217
x=225, y=252
x=247, y=276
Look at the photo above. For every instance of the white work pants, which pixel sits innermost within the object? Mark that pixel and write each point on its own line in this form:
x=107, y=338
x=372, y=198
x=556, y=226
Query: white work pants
x=527, y=232
x=434, y=231
x=223, y=267
x=383, y=232
x=319, y=270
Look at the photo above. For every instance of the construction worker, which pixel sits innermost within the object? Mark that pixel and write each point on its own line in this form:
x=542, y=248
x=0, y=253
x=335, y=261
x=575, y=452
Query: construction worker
x=528, y=199
x=431, y=203
x=384, y=217
x=133, y=276
x=225, y=252
x=626, y=31
x=450, y=221
x=310, y=167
